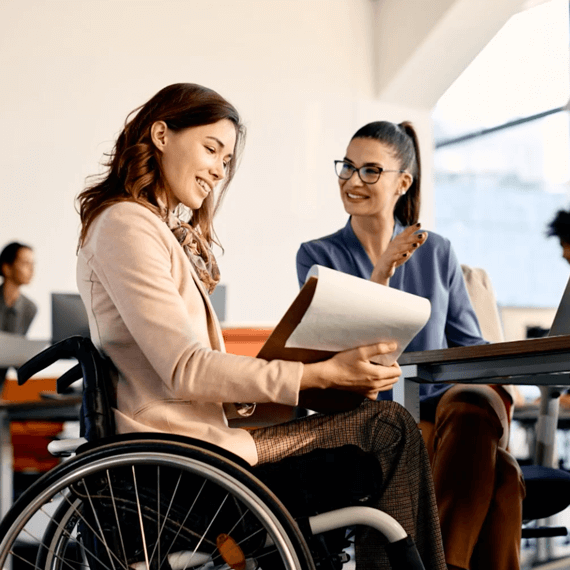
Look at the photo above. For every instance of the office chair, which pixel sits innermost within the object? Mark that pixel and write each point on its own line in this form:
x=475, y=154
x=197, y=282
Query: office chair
x=547, y=488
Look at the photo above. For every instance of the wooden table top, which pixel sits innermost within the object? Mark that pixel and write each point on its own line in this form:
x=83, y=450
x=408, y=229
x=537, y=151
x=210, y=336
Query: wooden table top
x=527, y=347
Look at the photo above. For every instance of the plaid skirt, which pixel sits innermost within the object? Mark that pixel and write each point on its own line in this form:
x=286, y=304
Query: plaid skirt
x=386, y=430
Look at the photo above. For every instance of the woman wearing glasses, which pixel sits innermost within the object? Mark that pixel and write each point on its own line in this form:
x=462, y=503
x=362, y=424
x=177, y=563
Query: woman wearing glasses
x=479, y=487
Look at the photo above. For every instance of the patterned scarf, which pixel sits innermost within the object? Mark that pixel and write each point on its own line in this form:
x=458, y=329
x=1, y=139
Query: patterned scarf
x=204, y=263
x=197, y=250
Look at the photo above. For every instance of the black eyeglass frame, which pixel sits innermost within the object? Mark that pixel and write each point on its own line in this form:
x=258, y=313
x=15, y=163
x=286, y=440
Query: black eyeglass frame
x=354, y=169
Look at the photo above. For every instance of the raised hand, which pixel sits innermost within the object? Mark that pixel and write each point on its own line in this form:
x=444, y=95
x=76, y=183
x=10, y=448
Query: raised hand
x=399, y=250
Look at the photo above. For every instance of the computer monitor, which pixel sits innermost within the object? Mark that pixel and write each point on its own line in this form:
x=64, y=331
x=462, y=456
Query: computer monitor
x=218, y=300
x=68, y=316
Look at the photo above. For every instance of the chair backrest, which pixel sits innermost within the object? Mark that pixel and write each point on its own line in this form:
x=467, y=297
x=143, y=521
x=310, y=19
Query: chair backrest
x=484, y=302
x=97, y=419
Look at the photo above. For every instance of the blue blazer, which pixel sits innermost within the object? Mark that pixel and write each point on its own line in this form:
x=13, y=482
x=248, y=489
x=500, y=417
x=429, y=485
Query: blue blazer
x=432, y=272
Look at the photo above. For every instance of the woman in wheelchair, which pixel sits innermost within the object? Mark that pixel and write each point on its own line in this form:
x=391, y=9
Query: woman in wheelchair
x=145, y=274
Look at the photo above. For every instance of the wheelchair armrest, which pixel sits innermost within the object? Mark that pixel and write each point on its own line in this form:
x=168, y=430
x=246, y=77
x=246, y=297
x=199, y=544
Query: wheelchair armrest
x=68, y=378
x=65, y=447
x=96, y=414
x=68, y=348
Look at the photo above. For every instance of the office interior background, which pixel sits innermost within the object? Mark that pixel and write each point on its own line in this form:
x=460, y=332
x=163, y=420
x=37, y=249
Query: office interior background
x=486, y=82
x=305, y=75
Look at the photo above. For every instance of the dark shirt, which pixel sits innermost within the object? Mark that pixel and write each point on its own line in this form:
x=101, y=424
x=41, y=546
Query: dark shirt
x=432, y=272
x=15, y=319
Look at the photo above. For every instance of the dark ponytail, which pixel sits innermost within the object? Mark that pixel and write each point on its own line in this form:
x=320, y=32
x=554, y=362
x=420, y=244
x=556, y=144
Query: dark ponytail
x=403, y=140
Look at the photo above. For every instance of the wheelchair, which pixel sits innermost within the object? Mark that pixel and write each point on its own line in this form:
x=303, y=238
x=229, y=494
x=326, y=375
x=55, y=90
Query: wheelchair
x=157, y=501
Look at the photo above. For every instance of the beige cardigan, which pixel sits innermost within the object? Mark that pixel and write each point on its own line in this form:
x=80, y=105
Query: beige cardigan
x=150, y=314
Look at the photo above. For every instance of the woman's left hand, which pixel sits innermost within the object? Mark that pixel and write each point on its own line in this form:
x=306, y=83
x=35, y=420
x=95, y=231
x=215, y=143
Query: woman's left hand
x=399, y=250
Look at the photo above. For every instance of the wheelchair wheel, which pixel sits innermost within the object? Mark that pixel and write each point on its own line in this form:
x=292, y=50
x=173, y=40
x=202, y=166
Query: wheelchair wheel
x=147, y=504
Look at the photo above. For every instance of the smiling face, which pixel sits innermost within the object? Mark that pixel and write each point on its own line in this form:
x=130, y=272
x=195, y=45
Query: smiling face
x=379, y=199
x=194, y=160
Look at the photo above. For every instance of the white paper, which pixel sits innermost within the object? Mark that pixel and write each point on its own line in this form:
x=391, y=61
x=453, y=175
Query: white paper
x=347, y=312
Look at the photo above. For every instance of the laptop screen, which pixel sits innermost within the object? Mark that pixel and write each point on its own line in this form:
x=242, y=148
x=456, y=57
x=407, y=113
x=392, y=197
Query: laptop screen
x=68, y=316
x=561, y=322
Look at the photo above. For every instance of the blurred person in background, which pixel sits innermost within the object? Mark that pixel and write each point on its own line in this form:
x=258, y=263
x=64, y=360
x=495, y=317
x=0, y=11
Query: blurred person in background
x=16, y=310
x=560, y=227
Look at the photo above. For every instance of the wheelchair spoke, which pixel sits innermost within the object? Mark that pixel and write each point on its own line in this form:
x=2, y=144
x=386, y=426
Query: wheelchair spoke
x=140, y=518
x=40, y=542
x=209, y=526
x=158, y=534
x=184, y=521
x=95, y=533
x=70, y=562
x=117, y=518
x=245, y=513
x=168, y=510
x=149, y=506
x=215, y=553
x=98, y=534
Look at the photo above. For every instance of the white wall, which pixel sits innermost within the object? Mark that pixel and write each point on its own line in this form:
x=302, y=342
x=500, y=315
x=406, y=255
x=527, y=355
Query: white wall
x=72, y=70
x=301, y=72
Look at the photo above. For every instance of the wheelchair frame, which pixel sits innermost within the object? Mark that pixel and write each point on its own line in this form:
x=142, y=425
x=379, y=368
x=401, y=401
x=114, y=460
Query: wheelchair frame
x=102, y=496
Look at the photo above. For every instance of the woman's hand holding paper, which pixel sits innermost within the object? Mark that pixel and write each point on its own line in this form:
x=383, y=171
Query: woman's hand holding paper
x=352, y=371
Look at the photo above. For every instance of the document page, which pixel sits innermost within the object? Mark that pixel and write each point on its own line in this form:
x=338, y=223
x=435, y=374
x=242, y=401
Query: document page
x=347, y=312
x=335, y=311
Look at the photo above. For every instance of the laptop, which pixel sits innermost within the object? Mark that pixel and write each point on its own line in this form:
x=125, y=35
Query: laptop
x=561, y=322
x=68, y=316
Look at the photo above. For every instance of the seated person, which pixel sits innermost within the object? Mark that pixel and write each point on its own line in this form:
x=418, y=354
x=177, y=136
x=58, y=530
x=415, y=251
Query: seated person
x=16, y=311
x=560, y=227
x=145, y=275
x=479, y=486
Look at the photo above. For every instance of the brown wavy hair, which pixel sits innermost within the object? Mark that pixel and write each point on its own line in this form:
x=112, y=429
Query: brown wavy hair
x=134, y=171
x=403, y=140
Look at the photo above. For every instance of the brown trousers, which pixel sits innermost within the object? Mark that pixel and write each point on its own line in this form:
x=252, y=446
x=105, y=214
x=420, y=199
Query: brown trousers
x=388, y=431
x=478, y=484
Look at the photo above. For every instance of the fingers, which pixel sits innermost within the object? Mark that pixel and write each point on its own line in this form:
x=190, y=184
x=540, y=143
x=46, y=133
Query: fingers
x=404, y=248
x=384, y=386
x=352, y=370
x=400, y=249
x=372, y=350
x=378, y=373
x=410, y=239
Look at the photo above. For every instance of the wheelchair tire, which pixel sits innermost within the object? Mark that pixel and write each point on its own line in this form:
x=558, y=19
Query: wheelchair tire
x=150, y=504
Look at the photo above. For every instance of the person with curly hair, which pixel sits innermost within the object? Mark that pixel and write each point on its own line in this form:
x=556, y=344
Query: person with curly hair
x=145, y=271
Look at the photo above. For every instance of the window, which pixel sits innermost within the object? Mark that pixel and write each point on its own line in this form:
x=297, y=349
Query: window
x=502, y=160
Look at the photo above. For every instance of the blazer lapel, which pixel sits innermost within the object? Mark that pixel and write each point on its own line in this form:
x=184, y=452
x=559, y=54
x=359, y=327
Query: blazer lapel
x=214, y=329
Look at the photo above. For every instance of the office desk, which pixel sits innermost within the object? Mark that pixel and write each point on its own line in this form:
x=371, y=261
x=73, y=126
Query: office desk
x=543, y=362
x=66, y=409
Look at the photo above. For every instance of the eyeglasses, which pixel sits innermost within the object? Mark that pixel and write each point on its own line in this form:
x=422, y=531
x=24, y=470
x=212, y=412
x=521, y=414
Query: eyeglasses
x=368, y=174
